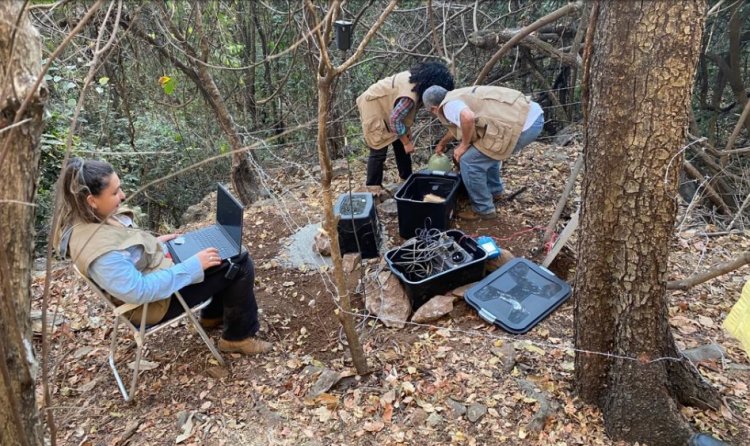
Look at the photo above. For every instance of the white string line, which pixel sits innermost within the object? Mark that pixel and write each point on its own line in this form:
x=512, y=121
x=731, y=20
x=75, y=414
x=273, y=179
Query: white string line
x=23, y=203
x=328, y=284
x=549, y=345
x=286, y=217
x=422, y=127
x=326, y=279
x=433, y=124
x=330, y=290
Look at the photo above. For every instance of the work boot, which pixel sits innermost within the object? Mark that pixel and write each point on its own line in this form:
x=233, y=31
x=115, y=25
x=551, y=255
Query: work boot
x=470, y=215
x=247, y=346
x=211, y=322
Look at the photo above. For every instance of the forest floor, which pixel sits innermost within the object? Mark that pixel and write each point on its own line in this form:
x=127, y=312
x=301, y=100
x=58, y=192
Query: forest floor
x=423, y=377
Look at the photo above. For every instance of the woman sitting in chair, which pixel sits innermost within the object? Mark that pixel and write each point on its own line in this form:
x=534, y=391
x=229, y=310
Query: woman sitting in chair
x=131, y=265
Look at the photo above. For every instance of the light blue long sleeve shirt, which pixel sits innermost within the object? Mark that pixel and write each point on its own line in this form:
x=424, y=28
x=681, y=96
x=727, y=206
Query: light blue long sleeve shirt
x=118, y=273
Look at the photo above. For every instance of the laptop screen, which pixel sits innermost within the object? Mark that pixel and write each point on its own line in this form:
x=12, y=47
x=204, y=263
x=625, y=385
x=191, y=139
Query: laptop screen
x=229, y=214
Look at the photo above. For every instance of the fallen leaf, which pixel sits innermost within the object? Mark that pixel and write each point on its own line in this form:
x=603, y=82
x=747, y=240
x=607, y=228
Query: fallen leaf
x=374, y=426
x=144, y=365
x=323, y=414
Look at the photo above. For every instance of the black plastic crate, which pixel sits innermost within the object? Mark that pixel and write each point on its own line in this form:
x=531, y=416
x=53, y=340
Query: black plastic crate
x=414, y=213
x=447, y=271
x=358, y=228
x=518, y=295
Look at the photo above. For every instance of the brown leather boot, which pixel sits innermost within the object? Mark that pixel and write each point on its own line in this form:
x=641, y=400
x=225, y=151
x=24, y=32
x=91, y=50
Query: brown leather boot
x=247, y=346
x=470, y=215
x=211, y=322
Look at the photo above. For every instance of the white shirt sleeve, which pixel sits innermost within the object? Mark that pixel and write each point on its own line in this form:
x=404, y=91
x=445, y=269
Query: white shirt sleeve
x=452, y=111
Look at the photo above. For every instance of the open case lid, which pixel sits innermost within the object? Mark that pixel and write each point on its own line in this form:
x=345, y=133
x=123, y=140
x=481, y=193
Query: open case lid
x=355, y=205
x=518, y=295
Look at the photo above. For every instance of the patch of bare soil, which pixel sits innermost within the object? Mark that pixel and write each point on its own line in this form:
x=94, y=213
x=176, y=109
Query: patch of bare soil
x=459, y=381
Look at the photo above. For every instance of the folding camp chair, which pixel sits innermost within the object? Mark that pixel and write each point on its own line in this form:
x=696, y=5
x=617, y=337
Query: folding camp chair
x=140, y=332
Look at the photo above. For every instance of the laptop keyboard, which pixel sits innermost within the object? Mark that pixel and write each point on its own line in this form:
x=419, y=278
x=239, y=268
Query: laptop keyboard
x=214, y=239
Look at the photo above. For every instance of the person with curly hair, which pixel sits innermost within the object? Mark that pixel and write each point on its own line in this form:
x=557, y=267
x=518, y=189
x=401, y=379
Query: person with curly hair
x=387, y=110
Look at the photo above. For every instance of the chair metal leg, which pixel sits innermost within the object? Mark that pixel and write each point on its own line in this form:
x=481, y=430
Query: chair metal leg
x=112, y=351
x=140, y=339
x=136, y=366
x=200, y=330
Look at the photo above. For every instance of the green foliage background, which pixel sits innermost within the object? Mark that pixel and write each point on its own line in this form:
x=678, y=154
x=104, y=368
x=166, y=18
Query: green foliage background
x=149, y=119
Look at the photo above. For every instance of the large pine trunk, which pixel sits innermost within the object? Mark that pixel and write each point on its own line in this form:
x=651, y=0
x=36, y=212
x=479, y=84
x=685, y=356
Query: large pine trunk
x=641, y=71
x=20, y=63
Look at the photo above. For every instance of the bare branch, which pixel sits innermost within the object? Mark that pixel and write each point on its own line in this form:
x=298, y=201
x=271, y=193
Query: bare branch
x=716, y=271
x=710, y=191
x=549, y=18
x=738, y=215
x=488, y=39
x=366, y=40
x=737, y=128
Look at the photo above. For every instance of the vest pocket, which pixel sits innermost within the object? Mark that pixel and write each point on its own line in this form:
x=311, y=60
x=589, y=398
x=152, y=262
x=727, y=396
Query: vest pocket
x=497, y=136
x=377, y=133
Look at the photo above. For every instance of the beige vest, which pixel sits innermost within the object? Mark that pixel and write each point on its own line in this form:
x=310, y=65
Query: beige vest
x=500, y=114
x=89, y=241
x=377, y=102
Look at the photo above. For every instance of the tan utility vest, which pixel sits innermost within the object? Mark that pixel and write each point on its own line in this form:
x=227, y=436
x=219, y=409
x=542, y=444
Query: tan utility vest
x=377, y=102
x=500, y=114
x=89, y=241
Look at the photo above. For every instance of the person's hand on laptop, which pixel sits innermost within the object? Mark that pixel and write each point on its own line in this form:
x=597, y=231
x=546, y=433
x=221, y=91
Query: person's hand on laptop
x=167, y=237
x=209, y=258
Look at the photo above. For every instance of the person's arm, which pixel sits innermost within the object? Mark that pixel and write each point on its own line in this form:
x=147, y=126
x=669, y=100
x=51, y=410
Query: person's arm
x=467, y=130
x=116, y=273
x=440, y=147
x=396, y=120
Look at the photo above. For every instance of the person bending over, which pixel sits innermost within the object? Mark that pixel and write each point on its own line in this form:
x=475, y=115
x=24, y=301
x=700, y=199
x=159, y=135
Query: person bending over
x=387, y=110
x=131, y=266
x=490, y=123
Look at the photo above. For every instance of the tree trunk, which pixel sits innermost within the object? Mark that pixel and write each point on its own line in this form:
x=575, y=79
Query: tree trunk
x=641, y=72
x=243, y=177
x=329, y=224
x=20, y=62
x=247, y=31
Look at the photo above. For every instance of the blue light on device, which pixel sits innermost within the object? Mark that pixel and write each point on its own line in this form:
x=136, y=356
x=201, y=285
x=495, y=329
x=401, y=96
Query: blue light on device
x=489, y=246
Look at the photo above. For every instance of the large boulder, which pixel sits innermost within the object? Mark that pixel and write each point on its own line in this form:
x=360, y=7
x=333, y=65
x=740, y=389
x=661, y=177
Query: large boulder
x=386, y=299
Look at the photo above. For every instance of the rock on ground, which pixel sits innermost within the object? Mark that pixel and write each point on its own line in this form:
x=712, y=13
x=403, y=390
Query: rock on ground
x=322, y=244
x=386, y=299
x=433, y=309
x=350, y=262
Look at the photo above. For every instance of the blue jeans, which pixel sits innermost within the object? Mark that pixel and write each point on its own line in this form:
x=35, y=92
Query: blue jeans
x=481, y=174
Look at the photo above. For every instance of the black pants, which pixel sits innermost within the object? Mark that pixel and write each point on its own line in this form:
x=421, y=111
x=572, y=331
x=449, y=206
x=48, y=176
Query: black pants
x=234, y=300
x=376, y=160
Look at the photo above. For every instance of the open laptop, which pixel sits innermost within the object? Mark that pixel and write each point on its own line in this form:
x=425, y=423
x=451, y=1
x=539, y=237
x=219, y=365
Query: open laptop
x=224, y=235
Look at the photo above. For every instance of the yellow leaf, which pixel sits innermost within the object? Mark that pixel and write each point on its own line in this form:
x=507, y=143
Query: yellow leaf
x=533, y=349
